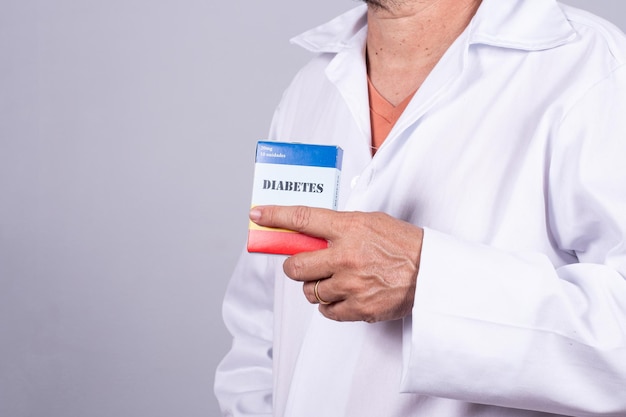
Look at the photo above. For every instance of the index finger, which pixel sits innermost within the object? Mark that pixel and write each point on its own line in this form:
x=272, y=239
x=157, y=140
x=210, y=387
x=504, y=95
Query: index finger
x=312, y=221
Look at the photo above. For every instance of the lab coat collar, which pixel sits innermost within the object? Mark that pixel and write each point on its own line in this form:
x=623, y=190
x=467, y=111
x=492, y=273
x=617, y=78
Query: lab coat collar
x=529, y=25
x=338, y=34
x=518, y=24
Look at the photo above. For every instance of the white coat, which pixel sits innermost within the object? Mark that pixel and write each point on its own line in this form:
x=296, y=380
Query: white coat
x=512, y=156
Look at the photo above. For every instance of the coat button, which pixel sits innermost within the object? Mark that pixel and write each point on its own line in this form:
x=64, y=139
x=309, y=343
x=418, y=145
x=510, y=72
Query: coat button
x=354, y=181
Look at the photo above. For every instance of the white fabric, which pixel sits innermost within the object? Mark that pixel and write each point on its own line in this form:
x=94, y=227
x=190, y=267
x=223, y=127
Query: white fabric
x=511, y=156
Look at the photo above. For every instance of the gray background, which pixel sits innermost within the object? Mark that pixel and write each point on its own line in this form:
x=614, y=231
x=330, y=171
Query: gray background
x=127, y=132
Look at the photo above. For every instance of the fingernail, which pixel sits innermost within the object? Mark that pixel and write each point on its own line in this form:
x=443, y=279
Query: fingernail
x=255, y=214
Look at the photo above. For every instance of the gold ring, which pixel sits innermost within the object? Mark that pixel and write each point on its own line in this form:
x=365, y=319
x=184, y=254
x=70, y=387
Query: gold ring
x=317, y=295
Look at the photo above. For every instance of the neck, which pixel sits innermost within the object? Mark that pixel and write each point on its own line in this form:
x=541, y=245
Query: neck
x=406, y=38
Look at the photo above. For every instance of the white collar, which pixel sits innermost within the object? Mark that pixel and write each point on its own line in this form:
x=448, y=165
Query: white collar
x=518, y=24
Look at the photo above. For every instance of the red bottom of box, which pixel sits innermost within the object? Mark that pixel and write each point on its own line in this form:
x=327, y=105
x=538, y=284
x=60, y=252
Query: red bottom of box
x=283, y=243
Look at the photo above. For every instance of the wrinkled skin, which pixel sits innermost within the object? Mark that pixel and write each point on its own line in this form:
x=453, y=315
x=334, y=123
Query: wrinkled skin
x=369, y=270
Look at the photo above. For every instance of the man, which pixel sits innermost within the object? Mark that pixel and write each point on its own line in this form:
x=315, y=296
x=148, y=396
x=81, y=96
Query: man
x=477, y=265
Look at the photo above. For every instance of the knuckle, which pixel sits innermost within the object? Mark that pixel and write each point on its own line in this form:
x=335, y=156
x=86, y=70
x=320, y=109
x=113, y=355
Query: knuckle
x=353, y=221
x=301, y=217
x=293, y=267
x=329, y=311
x=370, y=319
x=348, y=260
x=308, y=293
x=369, y=315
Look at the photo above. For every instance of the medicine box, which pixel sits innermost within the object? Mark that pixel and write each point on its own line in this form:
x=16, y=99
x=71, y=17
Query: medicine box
x=292, y=174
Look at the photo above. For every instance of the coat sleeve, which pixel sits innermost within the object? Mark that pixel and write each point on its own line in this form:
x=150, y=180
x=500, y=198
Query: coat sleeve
x=513, y=329
x=243, y=380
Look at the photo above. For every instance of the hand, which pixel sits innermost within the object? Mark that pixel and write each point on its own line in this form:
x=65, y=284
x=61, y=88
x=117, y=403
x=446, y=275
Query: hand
x=369, y=270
